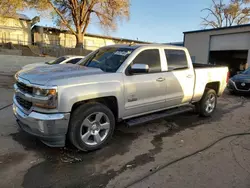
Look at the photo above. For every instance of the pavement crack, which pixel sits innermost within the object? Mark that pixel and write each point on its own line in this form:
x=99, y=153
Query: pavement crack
x=234, y=155
x=6, y=106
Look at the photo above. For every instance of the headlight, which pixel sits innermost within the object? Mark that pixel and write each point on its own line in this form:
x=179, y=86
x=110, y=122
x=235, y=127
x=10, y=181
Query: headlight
x=47, y=98
x=16, y=76
x=43, y=92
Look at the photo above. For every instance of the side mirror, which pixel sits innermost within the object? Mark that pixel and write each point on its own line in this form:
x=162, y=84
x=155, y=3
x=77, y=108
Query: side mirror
x=139, y=68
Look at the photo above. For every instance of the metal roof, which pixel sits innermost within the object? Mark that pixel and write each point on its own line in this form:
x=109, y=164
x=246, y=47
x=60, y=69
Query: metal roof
x=88, y=34
x=19, y=16
x=217, y=29
x=134, y=46
x=175, y=43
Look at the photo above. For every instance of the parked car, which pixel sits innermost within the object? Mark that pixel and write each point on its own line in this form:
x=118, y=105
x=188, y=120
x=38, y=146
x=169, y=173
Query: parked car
x=240, y=83
x=61, y=60
x=131, y=83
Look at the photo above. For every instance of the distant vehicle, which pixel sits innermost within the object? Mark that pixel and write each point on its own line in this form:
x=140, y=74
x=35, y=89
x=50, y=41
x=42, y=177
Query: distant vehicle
x=131, y=83
x=240, y=83
x=61, y=60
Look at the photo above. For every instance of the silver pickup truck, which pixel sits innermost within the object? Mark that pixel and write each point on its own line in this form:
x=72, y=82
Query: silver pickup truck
x=131, y=83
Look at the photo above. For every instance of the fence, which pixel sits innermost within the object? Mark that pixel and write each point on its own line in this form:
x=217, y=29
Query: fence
x=42, y=49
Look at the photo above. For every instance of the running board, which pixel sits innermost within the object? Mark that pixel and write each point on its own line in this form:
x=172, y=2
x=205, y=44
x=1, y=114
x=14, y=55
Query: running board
x=151, y=117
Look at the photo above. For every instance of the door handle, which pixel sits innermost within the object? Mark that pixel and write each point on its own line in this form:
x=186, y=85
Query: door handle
x=189, y=76
x=160, y=79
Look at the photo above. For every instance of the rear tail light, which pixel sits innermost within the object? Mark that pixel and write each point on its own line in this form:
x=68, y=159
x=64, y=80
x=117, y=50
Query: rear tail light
x=228, y=75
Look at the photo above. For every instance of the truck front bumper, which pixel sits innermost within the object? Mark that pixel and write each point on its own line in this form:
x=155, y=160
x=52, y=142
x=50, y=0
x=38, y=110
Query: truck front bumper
x=51, y=129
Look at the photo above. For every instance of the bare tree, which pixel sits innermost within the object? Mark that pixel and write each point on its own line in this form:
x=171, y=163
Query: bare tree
x=77, y=14
x=235, y=12
x=9, y=7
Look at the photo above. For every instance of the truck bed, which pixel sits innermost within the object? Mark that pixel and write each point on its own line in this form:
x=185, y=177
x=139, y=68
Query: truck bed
x=204, y=74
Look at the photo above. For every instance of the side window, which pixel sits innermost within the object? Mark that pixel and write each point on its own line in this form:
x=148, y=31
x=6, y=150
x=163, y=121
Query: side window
x=151, y=58
x=176, y=59
x=74, y=61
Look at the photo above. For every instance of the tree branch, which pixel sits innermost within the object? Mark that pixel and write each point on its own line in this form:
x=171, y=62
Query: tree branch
x=100, y=14
x=206, y=22
x=86, y=24
x=239, y=21
x=219, y=13
x=88, y=11
x=235, y=17
x=213, y=13
x=82, y=7
x=61, y=16
x=74, y=13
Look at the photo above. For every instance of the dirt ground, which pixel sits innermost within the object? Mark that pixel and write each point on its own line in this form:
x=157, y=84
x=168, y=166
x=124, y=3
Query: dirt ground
x=133, y=153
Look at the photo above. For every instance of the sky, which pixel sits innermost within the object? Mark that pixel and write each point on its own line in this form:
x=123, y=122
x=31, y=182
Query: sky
x=160, y=21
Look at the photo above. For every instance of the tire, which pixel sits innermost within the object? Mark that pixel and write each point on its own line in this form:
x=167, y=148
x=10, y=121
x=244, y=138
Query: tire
x=84, y=127
x=202, y=107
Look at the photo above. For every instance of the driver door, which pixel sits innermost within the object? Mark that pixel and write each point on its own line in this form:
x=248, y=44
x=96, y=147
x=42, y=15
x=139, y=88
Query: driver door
x=145, y=92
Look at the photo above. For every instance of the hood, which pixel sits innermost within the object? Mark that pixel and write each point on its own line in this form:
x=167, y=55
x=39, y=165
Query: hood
x=241, y=78
x=30, y=66
x=45, y=74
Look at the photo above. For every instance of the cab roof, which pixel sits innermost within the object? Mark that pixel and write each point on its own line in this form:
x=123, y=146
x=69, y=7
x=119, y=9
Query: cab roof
x=135, y=46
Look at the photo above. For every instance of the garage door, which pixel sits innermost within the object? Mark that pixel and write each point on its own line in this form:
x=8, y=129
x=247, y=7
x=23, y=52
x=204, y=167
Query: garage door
x=239, y=41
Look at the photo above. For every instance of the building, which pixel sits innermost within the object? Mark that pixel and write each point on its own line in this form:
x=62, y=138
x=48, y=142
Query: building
x=16, y=30
x=53, y=36
x=224, y=46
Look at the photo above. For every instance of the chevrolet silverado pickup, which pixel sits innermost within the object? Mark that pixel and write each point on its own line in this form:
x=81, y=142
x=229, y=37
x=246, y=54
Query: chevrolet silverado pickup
x=132, y=83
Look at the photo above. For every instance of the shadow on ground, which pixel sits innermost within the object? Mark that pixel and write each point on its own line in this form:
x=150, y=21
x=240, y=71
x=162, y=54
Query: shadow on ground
x=68, y=167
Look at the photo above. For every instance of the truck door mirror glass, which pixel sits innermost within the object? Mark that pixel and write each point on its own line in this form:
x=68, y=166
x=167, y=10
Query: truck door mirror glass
x=139, y=68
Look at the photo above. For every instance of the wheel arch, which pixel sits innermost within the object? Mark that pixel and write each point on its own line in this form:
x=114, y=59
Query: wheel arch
x=213, y=85
x=110, y=101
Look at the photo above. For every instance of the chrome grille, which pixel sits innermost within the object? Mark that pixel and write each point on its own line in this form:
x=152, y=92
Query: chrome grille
x=22, y=102
x=24, y=88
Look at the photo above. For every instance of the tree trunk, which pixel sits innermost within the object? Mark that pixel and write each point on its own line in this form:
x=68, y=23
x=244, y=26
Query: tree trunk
x=79, y=40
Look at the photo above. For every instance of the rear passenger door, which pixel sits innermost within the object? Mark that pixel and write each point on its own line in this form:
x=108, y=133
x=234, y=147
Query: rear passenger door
x=179, y=77
x=145, y=92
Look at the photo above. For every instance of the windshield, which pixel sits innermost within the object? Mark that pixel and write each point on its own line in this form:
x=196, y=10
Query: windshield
x=247, y=71
x=107, y=59
x=57, y=61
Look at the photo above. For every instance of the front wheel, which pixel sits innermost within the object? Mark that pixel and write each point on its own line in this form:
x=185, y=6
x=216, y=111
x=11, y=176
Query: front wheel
x=91, y=126
x=207, y=104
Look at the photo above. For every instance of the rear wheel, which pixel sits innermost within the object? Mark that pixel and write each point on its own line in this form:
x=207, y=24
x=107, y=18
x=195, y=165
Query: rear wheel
x=91, y=126
x=207, y=104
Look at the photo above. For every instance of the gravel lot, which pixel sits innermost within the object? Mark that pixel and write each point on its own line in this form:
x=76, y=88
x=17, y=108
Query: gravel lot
x=133, y=152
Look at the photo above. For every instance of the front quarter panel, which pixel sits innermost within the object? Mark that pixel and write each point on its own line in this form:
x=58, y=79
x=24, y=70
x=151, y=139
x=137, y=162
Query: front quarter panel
x=93, y=87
